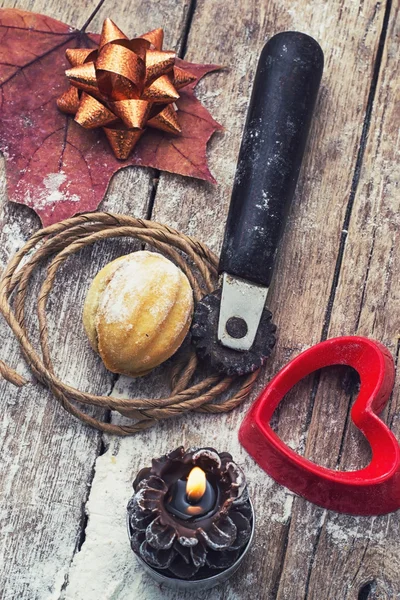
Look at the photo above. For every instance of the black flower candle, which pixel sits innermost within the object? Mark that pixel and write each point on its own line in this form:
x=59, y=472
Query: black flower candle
x=190, y=518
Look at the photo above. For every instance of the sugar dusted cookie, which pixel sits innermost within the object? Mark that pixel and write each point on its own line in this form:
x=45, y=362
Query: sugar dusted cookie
x=137, y=312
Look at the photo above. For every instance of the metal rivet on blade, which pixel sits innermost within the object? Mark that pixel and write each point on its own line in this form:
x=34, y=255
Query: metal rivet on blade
x=236, y=327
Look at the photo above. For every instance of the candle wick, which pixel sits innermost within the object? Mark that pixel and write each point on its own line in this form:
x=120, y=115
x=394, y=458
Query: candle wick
x=192, y=501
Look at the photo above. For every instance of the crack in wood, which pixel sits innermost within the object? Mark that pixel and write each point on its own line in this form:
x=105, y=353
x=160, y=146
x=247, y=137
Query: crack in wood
x=153, y=193
x=364, y=289
x=103, y=447
x=313, y=555
x=83, y=523
x=285, y=544
x=310, y=406
x=353, y=394
x=357, y=170
x=367, y=590
x=186, y=28
x=346, y=423
x=360, y=563
x=91, y=16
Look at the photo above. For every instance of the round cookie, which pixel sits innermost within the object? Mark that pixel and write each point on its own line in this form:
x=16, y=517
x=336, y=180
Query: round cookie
x=137, y=312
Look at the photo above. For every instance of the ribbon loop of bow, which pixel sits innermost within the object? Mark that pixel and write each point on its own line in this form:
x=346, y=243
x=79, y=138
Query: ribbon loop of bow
x=124, y=86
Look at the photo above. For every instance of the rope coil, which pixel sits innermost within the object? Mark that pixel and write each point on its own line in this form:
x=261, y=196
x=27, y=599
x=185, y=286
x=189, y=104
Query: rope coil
x=68, y=237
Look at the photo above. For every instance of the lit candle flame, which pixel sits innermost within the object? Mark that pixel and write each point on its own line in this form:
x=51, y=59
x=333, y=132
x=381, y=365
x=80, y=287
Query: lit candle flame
x=196, y=484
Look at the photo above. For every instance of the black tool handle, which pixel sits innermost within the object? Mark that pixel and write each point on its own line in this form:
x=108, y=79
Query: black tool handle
x=278, y=120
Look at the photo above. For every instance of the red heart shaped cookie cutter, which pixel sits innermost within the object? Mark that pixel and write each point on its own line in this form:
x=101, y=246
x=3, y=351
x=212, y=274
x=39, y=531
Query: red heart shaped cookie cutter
x=373, y=490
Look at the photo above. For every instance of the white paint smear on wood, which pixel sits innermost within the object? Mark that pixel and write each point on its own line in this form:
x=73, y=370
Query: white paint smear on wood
x=105, y=567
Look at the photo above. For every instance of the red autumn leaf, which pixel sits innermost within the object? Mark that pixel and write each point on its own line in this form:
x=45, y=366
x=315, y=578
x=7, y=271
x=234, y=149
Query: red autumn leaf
x=55, y=166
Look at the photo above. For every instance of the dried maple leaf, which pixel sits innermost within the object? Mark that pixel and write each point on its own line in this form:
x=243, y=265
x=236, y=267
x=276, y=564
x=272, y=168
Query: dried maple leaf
x=55, y=166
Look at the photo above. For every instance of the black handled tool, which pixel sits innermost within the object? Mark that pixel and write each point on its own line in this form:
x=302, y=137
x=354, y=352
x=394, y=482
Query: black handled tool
x=231, y=327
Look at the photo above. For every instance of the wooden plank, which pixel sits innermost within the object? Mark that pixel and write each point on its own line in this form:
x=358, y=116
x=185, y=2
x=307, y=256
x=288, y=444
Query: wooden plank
x=349, y=36
x=359, y=555
x=47, y=456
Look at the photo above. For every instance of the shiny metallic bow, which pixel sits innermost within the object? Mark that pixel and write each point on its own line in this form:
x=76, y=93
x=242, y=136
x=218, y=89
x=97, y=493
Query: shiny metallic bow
x=124, y=86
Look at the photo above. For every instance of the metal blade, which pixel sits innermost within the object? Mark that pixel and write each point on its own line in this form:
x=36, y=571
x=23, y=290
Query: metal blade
x=242, y=304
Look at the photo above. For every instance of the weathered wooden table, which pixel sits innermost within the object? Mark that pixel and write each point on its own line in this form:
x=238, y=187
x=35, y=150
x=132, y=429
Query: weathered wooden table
x=64, y=487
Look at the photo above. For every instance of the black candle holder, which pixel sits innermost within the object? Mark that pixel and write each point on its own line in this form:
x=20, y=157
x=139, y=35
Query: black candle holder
x=196, y=585
x=190, y=553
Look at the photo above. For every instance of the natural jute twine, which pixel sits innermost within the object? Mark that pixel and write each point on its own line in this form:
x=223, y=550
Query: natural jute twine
x=60, y=241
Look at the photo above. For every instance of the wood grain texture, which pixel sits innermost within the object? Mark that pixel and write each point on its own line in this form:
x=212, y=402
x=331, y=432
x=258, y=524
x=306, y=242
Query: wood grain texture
x=351, y=553
x=327, y=282
x=278, y=565
x=349, y=35
x=47, y=456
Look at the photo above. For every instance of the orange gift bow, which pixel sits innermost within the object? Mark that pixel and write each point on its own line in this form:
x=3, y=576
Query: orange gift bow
x=124, y=86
